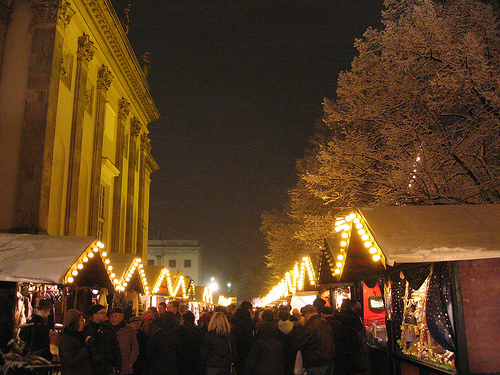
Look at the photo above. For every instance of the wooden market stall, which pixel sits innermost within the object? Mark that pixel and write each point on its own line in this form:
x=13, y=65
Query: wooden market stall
x=130, y=283
x=428, y=278
x=69, y=270
x=298, y=284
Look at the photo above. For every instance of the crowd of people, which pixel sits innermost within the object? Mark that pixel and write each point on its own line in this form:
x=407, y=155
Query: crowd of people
x=316, y=340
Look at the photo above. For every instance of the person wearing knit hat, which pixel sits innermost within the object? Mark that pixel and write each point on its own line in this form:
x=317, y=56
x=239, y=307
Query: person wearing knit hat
x=105, y=352
x=73, y=353
x=95, y=309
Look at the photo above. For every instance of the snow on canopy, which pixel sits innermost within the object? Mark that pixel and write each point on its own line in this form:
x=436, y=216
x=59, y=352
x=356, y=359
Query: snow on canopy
x=40, y=259
x=412, y=234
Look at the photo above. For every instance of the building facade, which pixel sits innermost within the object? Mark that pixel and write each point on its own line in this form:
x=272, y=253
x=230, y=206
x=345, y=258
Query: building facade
x=184, y=256
x=74, y=113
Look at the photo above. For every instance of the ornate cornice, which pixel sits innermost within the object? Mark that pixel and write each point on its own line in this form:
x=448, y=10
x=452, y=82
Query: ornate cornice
x=135, y=127
x=86, y=49
x=52, y=12
x=104, y=78
x=106, y=20
x=123, y=108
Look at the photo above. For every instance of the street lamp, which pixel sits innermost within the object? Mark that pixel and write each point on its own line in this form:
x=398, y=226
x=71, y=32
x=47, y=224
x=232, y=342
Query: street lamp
x=229, y=287
x=213, y=287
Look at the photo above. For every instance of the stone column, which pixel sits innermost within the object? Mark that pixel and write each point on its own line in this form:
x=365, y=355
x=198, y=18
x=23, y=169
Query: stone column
x=104, y=79
x=38, y=133
x=5, y=10
x=142, y=224
x=85, y=53
x=130, y=228
x=116, y=230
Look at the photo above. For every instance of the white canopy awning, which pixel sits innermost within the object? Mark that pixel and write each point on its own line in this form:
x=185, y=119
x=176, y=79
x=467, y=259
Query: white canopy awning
x=414, y=234
x=40, y=259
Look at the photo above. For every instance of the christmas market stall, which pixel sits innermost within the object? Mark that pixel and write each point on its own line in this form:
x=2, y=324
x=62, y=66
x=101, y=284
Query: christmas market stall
x=428, y=280
x=161, y=283
x=297, y=288
x=130, y=283
x=203, y=300
x=167, y=286
x=183, y=290
x=70, y=271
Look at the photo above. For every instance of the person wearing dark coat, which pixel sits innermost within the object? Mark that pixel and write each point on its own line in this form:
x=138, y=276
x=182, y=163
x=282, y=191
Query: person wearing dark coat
x=351, y=361
x=243, y=327
x=142, y=362
x=266, y=354
x=288, y=331
x=316, y=343
x=73, y=352
x=163, y=347
x=218, y=349
x=105, y=351
x=36, y=332
x=339, y=335
x=191, y=339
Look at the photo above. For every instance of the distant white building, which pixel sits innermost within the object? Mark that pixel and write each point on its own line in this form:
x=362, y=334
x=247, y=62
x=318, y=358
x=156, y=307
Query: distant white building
x=182, y=256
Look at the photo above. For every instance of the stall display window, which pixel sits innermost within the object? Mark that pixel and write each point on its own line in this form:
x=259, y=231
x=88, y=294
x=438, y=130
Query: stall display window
x=339, y=294
x=426, y=330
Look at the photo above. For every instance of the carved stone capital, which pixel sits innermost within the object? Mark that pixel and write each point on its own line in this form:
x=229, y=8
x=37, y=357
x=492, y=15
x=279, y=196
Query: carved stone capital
x=123, y=108
x=135, y=127
x=65, y=14
x=104, y=78
x=86, y=48
x=52, y=12
x=145, y=143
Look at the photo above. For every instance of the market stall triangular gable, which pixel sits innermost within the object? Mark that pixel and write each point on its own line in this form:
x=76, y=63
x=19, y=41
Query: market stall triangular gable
x=180, y=286
x=203, y=294
x=56, y=260
x=351, y=253
x=190, y=291
x=159, y=279
x=129, y=273
x=301, y=278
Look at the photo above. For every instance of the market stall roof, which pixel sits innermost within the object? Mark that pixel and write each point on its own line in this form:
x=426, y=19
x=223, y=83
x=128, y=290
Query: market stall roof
x=46, y=259
x=157, y=277
x=203, y=294
x=128, y=271
x=181, y=286
x=367, y=240
x=414, y=234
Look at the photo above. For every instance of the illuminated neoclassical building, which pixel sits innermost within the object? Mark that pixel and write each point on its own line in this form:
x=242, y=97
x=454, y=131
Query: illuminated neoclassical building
x=74, y=112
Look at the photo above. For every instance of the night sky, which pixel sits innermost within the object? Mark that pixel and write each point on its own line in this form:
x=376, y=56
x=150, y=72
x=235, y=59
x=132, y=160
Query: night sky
x=239, y=86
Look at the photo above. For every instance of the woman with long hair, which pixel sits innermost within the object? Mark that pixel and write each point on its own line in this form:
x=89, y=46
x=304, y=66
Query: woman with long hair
x=73, y=353
x=218, y=346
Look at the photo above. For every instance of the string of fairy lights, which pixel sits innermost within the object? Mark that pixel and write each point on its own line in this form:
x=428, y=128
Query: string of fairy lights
x=345, y=228
x=293, y=282
x=182, y=284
